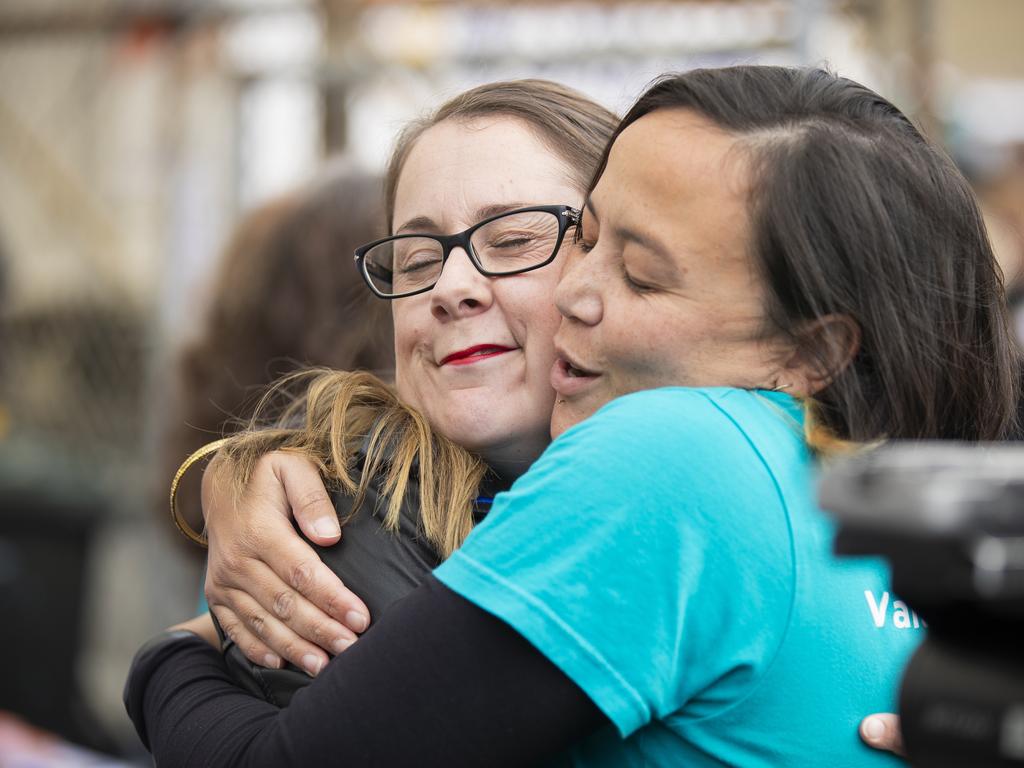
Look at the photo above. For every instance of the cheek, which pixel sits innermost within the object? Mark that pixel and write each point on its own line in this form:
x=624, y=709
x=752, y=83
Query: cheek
x=408, y=334
x=542, y=302
x=545, y=326
x=529, y=308
x=647, y=345
x=412, y=320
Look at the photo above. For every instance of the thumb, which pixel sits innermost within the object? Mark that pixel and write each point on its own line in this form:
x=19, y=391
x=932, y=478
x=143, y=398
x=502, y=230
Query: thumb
x=882, y=732
x=311, y=505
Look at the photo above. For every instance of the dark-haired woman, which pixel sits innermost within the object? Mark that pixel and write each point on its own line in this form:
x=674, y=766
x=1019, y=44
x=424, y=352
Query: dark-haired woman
x=773, y=263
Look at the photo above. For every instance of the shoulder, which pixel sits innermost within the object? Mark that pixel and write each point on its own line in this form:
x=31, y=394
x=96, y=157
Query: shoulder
x=656, y=409
x=657, y=468
x=688, y=432
x=690, y=408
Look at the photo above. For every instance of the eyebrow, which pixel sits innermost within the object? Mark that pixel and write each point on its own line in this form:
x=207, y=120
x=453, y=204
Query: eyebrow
x=418, y=224
x=426, y=224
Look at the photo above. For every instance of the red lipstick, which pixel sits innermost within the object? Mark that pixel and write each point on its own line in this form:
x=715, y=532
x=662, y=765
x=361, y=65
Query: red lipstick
x=475, y=354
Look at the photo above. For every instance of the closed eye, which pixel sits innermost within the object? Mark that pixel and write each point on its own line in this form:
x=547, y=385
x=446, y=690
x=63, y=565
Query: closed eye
x=513, y=242
x=406, y=269
x=632, y=284
x=579, y=242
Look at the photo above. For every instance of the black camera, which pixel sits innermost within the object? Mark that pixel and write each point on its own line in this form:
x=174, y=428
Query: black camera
x=949, y=517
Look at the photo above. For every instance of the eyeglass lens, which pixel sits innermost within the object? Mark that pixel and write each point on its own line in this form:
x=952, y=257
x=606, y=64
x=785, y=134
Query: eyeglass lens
x=506, y=245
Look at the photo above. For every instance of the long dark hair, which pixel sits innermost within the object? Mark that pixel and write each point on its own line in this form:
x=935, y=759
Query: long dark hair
x=854, y=212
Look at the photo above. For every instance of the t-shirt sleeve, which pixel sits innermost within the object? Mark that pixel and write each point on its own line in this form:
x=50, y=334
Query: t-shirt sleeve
x=646, y=553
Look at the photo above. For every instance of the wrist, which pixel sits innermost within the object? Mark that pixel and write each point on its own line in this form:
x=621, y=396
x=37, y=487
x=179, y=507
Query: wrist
x=201, y=626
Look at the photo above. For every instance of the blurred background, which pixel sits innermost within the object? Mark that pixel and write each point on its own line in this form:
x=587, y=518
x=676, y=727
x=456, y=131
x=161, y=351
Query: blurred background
x=177, y=177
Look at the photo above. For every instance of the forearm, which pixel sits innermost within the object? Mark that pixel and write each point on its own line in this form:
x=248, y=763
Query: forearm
x=188, y=711
x=437, y=682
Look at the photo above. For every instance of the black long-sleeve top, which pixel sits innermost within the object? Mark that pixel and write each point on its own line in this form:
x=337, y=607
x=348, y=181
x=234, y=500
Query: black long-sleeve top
x=379, y=565
x=435, y=681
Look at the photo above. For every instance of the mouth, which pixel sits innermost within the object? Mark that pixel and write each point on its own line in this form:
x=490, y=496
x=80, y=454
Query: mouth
x=475, y=354
x=569, y=378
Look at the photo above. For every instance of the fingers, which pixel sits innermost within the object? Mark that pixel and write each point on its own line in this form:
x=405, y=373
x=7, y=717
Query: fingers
x=310, y=503
x=882, y=731
x=238, y=582
x=272, y=587
x=254, y=649
x=303, y=620
x=258, y=627
x=303, y=582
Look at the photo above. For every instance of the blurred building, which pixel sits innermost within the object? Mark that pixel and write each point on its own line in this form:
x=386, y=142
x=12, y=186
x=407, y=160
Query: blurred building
x=133, y=133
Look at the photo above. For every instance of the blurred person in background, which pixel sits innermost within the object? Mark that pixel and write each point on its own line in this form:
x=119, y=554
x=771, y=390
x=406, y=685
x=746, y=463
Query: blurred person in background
x=285, y=297
x=538, y=631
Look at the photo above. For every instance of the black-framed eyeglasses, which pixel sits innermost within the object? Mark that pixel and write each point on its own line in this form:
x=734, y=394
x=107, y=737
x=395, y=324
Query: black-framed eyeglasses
x=507, y=244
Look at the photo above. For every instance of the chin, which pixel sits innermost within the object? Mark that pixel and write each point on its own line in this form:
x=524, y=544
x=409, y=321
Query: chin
x=563, y=417
x=481, y=432
x=464, y=432
x=493, y=422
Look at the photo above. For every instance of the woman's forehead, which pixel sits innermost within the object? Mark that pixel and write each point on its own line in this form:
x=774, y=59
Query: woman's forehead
x=459, y=167
x=670, y=159
x=676, y=178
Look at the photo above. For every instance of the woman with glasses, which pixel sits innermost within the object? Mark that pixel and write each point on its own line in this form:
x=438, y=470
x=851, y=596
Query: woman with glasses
x=658, y=588
x=478, y=199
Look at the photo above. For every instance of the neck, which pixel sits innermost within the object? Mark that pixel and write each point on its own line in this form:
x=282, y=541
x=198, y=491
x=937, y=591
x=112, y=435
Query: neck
x=510, y=460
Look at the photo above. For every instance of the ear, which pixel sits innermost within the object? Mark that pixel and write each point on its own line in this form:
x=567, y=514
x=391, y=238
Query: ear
x=825, y=347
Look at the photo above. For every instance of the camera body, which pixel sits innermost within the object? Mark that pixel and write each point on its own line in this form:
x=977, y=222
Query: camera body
x=949, y=517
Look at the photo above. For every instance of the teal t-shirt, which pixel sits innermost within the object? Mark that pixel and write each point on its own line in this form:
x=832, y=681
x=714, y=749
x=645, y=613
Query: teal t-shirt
x=668, y=555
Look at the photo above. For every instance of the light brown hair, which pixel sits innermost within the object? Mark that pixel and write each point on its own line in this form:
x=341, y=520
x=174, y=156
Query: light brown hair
x=329, y=416
x=573, y=126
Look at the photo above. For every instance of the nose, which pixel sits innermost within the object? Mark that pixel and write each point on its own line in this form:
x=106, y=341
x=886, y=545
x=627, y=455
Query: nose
x=577, y=294
x=461, y=291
